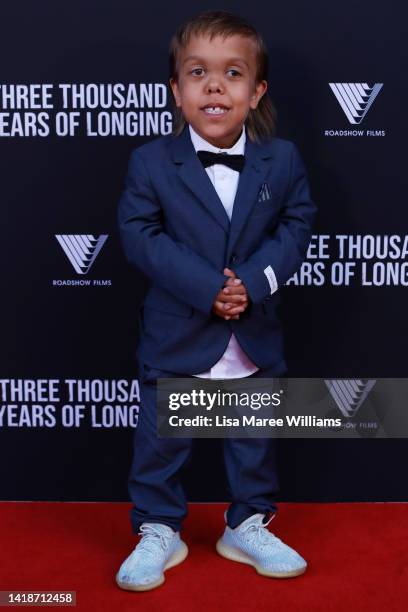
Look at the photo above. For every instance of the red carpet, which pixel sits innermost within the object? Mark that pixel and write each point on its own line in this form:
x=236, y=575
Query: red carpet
x=357, y=554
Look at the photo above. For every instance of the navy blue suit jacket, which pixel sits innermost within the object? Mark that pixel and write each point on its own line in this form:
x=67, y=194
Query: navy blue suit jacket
x=175, y=230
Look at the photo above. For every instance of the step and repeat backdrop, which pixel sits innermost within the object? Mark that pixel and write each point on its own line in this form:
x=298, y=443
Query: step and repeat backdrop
x=84, y=83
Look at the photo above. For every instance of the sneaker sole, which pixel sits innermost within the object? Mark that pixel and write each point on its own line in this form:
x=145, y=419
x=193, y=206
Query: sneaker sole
x=176, y=558
x=233, y=554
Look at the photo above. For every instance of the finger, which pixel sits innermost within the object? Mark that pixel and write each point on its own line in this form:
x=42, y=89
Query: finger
x=228, y=305
x=223, y=307
x=234, y=279
x=224, y=295
x=235, y=310
x=229, y=272
x=231, y=290
x=228, y=291
x=229, y=309
x=236, y=299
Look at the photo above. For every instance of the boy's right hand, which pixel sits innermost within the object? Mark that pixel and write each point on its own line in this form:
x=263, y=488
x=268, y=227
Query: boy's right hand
x=229, y=305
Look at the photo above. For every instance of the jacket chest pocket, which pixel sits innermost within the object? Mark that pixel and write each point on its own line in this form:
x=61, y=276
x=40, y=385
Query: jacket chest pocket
x=266, y=205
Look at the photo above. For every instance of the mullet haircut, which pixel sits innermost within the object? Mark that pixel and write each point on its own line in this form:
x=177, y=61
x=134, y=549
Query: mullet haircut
x=261, y=122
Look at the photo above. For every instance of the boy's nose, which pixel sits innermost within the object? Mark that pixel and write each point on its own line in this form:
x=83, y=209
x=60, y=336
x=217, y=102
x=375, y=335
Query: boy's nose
x=214, y=85
x=215, y=90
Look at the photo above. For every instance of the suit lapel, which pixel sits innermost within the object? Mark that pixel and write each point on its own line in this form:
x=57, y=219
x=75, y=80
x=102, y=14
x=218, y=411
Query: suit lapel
x=193, y=174
x=250, y=182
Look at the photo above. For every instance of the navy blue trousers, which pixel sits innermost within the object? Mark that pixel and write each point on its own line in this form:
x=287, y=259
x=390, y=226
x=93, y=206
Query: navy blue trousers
x=154, y=482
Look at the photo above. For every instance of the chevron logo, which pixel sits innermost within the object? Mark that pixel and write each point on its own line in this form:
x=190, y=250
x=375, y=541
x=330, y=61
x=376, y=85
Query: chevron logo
x=81, y=249
x=349, y=394
x=355, y=98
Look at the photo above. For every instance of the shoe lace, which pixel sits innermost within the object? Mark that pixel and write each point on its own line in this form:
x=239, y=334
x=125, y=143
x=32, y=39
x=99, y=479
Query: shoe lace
x=152, y=537
x=259, y=533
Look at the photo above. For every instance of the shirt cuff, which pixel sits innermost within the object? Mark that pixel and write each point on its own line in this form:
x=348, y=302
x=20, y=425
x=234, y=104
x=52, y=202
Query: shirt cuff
x=271, y=278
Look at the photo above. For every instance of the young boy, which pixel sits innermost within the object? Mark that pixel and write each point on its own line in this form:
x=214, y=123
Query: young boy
x=218, y=215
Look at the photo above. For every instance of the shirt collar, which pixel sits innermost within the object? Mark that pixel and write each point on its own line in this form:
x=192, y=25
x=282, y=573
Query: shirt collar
x=203, y=145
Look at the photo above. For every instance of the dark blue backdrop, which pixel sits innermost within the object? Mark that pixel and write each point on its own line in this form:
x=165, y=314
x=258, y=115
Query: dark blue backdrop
x=71, y=185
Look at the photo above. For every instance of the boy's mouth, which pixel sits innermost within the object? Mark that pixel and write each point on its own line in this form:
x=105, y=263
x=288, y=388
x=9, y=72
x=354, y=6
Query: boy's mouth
x=215, y=109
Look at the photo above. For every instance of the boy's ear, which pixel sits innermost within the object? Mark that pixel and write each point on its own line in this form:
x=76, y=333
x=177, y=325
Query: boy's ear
x=174, y=87
x=260, y=89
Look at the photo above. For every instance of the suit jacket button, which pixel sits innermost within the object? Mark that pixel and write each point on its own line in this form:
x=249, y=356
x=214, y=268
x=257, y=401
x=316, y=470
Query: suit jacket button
x=234, y=258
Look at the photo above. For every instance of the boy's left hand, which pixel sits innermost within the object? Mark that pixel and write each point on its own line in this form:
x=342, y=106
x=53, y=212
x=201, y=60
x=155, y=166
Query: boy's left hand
x=233, y=295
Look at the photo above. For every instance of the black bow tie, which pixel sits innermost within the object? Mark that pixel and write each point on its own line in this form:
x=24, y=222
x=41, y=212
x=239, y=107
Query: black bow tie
x=207, y=158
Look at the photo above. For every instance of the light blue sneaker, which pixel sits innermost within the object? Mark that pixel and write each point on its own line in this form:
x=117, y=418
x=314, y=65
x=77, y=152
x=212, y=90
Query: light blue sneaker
x=251, y=542
x=159, y=549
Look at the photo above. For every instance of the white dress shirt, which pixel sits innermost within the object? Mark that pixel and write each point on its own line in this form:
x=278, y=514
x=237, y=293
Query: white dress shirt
x=234, y=363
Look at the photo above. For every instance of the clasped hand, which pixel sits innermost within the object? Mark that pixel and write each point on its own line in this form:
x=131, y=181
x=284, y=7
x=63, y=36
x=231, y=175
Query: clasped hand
x=232, y=299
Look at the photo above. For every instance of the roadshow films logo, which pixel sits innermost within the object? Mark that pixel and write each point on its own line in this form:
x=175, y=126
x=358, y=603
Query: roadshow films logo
x=81, y=251
x=355, y=100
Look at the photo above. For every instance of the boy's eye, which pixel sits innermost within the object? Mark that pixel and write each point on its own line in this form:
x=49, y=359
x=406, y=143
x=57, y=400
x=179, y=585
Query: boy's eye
x=194, y=71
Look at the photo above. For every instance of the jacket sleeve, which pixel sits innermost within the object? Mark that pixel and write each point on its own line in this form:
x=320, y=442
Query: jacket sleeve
x=168, y=263
x=281, y=253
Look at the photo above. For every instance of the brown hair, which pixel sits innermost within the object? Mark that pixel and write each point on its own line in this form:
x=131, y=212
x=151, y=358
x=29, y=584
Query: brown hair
x=260, y=123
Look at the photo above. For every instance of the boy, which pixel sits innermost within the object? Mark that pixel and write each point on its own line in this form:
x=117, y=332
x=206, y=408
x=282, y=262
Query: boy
x=218, y=215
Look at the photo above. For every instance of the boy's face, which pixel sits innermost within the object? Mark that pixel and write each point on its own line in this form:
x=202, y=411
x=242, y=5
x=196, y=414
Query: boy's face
x=218, y=72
